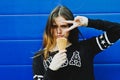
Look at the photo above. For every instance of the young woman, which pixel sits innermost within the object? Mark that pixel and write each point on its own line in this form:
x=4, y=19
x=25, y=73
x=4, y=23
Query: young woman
x=76, y=61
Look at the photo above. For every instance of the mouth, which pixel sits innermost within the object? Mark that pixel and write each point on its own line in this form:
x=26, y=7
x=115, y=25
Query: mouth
x=59, y=36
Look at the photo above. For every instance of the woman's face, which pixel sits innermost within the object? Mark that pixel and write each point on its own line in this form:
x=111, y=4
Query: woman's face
x=59, y=27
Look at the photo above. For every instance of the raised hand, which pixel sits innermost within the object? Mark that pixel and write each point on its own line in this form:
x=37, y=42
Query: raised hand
x=78, y=21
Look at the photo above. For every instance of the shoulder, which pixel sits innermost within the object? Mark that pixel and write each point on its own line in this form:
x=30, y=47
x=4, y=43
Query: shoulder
x=38, y=58
x=38, y=54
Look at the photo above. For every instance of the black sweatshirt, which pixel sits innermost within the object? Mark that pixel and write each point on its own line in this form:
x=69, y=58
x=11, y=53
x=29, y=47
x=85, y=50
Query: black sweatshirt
x=79, y=64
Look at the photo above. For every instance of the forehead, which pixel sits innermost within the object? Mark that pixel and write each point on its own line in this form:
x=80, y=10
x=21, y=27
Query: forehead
x=59, y=20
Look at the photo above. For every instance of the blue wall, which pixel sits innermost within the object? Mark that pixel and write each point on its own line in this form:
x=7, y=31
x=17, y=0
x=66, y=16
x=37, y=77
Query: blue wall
x=21, y=28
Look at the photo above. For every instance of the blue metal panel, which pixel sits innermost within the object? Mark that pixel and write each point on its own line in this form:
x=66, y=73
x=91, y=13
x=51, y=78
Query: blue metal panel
x=16, y=72
x=110, y=55
x=32, y=27
x=107, y=71
x=93, y=6
x=22, y=27
x=26, y=6
x=18, y=52
x=45, y=6
x=21, y=51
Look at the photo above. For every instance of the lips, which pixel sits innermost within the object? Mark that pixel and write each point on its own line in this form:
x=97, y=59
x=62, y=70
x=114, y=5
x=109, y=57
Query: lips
x=58, y=36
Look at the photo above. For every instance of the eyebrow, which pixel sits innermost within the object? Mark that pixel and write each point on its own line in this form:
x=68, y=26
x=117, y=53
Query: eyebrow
x=54, y=24
x=64, y=25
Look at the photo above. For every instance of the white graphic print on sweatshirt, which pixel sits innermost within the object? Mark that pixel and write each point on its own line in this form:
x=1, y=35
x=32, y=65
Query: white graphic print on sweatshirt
x=75, y=60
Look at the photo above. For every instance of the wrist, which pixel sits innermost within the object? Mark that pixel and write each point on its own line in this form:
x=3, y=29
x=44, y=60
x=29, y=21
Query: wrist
x=84, y=21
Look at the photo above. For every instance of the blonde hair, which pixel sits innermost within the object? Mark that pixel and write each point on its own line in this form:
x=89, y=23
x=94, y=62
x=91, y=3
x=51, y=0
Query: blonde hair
x=48, y=43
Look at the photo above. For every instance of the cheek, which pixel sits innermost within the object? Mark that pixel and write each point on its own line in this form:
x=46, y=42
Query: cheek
x=67, y=34
x=54, y=32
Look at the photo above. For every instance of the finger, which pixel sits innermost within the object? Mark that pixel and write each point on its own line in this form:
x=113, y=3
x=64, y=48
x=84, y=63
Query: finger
x=67, y=30
x=61, y=57
x=62, y=62
x=69, y=22
x=64, y=55
x=61, y=52
x=71, y=28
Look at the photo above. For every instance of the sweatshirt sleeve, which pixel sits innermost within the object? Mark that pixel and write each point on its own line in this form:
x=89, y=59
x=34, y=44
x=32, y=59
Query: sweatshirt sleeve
x=112, y=29
x=38, y=69
x=110, y=35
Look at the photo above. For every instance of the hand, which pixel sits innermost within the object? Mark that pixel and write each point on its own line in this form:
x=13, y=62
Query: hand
x=78, y=21
x=58, y=60
x=83, y=21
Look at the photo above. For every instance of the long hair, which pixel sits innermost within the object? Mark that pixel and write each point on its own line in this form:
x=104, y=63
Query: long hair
x=49, y=41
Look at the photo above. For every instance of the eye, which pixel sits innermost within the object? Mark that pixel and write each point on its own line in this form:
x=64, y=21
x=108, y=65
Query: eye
x=64, y=26
x=54, y=26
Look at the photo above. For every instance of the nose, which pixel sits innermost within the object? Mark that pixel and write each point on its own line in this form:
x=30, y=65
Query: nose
x=59, y=30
